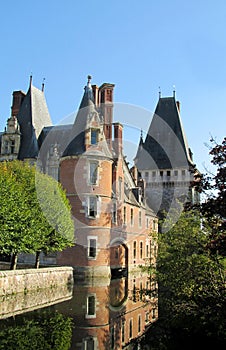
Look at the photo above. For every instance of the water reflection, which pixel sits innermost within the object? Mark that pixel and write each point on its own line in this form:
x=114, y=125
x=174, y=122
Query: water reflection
x=105, y=314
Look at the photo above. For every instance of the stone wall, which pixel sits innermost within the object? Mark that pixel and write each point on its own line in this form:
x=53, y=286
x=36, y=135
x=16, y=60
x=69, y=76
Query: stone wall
x=24, y=281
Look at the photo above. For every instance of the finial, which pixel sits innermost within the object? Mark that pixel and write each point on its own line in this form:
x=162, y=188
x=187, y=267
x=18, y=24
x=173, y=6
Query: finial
x=89, y=79
x=43, y=84
x=159, y=92
x=174, y=91
x=31, y=79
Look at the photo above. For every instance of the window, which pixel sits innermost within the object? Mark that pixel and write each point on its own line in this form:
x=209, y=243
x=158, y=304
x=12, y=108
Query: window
x=114, y=213
x=140, y=219
x=176, y=173
x=141, y=250
x=89, y=344
x=92, y=207
x=94, y=136
x=147, y=250
x=93, y=172
x=146, y=174
x=92, y=247
x=183, y=172
x=120, y=188
x=161, y=173
x=141, y=291
x=131, y=217
x=124, y=215
x=12, y=146
x=112, y=337
x=147, y=317
x=139, y=323
x=130, y=328
x=153, y=173
x=91, y=305
x=147, y=223
x=123, y=331
x=168, y=173
x=134, y=249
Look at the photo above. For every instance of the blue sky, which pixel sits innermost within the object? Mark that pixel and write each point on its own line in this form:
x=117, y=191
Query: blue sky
x=137, y=45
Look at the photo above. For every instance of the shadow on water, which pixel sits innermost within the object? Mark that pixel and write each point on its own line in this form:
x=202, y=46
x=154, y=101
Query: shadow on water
x=102, y=314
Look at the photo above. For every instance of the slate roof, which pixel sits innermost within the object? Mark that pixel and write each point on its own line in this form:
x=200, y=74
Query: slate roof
x=33, y=116
x=165, y=146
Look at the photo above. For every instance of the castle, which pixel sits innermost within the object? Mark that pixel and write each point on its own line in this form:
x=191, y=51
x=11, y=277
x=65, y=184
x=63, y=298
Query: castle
x=112, y=205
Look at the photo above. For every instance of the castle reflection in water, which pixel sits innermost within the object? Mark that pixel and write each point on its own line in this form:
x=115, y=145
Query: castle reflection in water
x=111, y=316
x=108, y=314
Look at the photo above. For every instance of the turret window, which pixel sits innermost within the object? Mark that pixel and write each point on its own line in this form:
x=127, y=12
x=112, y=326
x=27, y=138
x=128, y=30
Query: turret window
x=91, y=306
x=92, y=207
x=92, y=247
x=114, y=213
x=93, y=173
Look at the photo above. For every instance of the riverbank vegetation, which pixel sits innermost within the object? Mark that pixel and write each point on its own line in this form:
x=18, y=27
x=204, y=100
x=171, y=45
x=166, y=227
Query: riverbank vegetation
x=35, y=214
x=191, y=270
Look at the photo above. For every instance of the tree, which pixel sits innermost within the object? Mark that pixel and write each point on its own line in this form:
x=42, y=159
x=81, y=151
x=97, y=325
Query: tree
x=45, y=331
x=214, y=187
x=190, y=268
x=25, y=225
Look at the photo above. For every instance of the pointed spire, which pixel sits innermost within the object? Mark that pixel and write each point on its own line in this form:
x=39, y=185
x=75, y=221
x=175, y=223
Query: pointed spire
x=141, y=137
x=88, y=98
x=31, y=79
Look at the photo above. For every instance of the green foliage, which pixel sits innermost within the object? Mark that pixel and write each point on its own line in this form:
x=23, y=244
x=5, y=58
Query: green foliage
x=44, y=332
x=190, y=278
x=34, y=212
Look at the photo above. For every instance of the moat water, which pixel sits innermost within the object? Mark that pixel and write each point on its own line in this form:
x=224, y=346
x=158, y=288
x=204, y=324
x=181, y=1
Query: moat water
x=93, y=315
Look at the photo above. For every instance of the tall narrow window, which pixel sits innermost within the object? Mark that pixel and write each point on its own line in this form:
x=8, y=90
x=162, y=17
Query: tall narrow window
x=91, y=305
x=112, y=338
x=134, y=249
x=89, y=344
x=141, y=250
x=130, y=328
x=92, y=247
x=120, y=188
x=123, y=331
x=147, y=250
x=94, y=136
x=114, y=213
x=140, y=219
x=139, y=323
x=12, y=146
x=93, y=172
x=124, y=215
x=131, y=217
x=92, y=207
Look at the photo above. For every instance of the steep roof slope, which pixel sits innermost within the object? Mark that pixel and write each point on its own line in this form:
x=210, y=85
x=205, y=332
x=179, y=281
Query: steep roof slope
x=33, y=116
x=165, y=145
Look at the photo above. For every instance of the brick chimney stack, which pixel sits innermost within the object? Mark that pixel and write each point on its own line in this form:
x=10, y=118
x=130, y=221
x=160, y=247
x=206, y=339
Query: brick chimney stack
x=18, y=97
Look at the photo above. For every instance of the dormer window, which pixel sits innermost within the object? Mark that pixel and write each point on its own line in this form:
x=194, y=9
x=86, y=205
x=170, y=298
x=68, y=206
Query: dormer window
x=12, y=146
x=94, y=136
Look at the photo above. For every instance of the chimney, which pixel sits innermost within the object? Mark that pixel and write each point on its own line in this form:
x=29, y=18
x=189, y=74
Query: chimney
x=95, y=95
x=18, y=97
x=118, y=128
x=178, y=105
